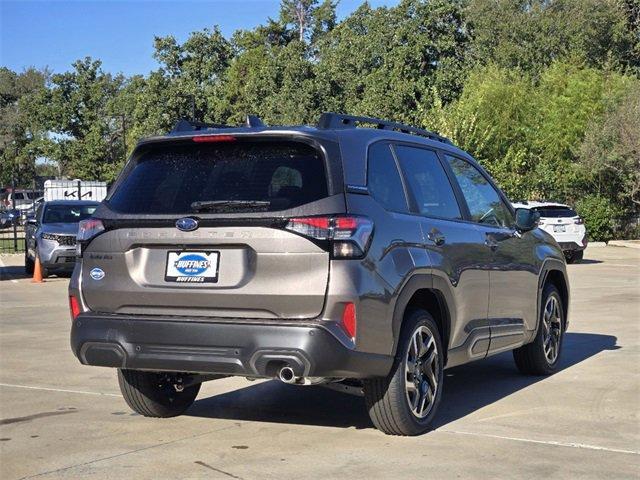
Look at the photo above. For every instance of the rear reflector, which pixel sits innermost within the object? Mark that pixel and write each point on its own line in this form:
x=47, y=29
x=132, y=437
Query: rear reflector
x=349, y=320
x=74, y=307
x=213, y=138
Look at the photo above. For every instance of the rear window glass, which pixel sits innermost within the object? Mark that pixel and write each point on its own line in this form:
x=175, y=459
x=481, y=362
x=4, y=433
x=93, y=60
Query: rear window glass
x=556, y=212
x=67, y=213
x=223, y=177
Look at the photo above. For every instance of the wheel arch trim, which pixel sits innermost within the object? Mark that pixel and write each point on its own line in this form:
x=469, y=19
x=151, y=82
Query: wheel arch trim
x=435, y=285
x=548, y=266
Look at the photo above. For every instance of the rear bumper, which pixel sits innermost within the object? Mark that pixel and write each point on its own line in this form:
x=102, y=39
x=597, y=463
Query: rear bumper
x=572, y=246
x=227, y=348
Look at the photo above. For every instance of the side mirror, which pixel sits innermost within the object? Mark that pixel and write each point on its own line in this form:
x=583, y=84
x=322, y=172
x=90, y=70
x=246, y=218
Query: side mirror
x=31, y=221
x=526, y=219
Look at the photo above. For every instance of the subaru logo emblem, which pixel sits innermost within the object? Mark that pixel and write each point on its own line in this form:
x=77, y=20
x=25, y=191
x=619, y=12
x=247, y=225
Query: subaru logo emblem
x=97, y=273
x=187, y=224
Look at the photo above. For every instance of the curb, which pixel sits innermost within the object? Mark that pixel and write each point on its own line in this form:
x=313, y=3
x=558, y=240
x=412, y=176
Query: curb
x=597, y=244
x=625, y=243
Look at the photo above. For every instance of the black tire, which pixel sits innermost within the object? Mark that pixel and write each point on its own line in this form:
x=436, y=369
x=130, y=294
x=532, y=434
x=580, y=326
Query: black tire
x=148, y=394
x=578, y=256
x=532, y=359
x=387, y=398
x=44, y=271
x=29, y=265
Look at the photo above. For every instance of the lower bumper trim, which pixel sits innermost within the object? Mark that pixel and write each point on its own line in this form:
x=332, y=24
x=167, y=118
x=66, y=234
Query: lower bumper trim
x=222, y=348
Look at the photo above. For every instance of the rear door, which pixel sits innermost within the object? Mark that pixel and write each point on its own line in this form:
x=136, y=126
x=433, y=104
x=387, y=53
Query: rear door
x=237, y=261
x=454, y=247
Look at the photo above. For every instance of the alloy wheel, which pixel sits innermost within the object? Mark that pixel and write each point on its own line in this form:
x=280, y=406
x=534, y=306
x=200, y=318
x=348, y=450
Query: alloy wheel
x=552, y=329
x=421, y=372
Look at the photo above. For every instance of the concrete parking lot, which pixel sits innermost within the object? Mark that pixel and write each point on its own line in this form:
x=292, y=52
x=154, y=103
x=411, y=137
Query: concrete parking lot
x=59, y=419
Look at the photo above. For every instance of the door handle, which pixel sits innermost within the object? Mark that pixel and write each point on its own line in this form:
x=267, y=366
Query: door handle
x=491, y=242
x=436, y=237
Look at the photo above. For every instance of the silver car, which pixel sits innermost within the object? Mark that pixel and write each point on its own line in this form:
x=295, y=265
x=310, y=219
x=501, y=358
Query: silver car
x=51, y=235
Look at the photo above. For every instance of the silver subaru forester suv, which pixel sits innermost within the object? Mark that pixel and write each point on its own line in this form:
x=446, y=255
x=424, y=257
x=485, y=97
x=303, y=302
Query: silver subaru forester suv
x=357, y=252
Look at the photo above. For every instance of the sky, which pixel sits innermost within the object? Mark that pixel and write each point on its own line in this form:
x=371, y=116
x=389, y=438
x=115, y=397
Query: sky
x=55, y=33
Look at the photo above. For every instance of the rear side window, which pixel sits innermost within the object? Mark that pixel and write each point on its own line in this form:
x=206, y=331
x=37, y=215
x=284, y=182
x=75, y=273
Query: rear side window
x=235, y=176
x=557, y=212
x=383, y=182
x=428, y=183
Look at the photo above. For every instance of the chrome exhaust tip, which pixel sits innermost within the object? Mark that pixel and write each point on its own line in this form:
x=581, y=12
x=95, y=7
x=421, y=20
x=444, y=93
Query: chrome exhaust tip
x=287, y=375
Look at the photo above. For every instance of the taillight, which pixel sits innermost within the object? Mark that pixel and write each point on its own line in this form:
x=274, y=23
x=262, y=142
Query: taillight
x=349, y=320
x=347, y=236
x=87, y=229
x=74, y=307
x=213, y=138
x=578, y=221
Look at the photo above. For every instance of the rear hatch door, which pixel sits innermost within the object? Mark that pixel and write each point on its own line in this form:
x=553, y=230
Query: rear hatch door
x=195, y=229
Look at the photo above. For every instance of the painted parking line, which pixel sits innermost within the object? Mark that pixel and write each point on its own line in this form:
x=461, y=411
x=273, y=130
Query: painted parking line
x=48, y=389
x=544, y=442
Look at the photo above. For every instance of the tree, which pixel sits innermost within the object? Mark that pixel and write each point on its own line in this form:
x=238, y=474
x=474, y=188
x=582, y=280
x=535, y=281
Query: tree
x=309, y=18
x=389, y=61
x=611, y=151
x=531, y=34
x=191, y=74
x=528, y=131
x=84, y=138
x=19, y=141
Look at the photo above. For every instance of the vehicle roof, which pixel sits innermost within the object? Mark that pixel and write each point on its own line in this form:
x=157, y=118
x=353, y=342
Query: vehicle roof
x=72, y=202
x=353, y=142
x=535, y=204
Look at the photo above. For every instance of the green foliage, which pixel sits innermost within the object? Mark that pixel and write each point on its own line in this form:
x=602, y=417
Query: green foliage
x=19, y=140
x=81, y=133
x=599, y=215
x=531, y=34
x=611, y=151
x=530, y=133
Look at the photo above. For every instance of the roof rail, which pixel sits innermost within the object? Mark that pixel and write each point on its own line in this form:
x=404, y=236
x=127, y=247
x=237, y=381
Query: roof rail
x=184, y=125
x=338, y=120
x=253, y=121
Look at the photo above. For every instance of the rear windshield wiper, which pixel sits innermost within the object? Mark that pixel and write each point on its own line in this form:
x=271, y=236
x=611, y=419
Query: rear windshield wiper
x=205, y=205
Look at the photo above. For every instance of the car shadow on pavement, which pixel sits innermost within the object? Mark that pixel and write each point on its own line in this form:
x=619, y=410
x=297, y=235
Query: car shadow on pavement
x=18, y=273
x=13, y=273
x=478, y=384
x=467, y=389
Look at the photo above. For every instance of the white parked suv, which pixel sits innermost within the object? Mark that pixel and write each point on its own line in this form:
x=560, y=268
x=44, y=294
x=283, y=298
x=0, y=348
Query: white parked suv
x=563, y=224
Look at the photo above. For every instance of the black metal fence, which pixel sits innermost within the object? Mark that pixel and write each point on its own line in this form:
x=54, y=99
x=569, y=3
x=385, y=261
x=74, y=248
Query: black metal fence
x=20, y=205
